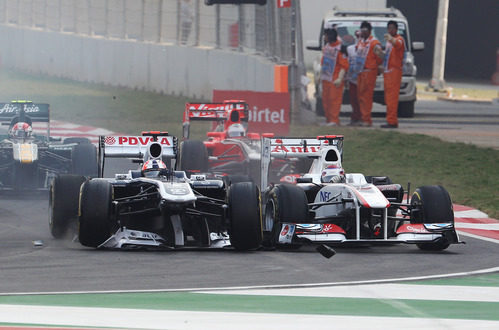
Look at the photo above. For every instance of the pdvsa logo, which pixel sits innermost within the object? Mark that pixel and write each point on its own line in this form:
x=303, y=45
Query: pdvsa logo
x=141, y=140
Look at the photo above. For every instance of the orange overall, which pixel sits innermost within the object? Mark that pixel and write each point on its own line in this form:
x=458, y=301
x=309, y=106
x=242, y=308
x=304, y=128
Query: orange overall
x=366, y=80
x=394, y=55
x=332, y=62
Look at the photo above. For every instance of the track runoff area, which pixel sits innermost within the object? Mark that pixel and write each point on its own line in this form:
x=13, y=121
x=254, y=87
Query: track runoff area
x=452, y=301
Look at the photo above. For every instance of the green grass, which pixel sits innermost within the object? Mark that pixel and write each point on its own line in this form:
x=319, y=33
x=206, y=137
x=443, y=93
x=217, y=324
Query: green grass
x=470, y=173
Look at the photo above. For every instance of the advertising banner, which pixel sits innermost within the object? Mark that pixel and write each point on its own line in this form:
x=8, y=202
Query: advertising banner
x=268, y=111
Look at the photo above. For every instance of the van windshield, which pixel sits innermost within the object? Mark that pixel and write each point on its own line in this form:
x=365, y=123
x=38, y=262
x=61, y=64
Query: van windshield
x=345, y=28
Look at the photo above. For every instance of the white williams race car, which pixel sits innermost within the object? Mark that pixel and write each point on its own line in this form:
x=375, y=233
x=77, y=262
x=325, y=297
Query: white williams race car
x=155, y=206
x=329, y=206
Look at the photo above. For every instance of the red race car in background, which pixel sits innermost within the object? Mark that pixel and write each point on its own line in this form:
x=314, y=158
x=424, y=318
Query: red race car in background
x=230, y=150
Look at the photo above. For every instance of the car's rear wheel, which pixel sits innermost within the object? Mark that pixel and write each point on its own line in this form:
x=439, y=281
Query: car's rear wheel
x=63, y=202
x=84, y=159
x=95, y=212
x=432, y=204
x=79, y=140
x=193, y=157
x=245, y=216
x=285, y=204
x=236, y=178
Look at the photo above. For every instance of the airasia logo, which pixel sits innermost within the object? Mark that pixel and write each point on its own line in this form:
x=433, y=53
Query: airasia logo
x=138, y=140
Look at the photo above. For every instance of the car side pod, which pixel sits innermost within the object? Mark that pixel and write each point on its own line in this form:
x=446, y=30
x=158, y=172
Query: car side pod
x=325, y=250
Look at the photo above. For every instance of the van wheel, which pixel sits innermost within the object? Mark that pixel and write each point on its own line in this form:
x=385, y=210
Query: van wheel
x=406, y=109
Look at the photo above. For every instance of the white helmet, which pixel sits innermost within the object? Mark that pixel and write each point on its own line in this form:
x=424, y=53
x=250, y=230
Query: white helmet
x=333, y=173
x=21, y=130
x=152, y=167
x=235, y=130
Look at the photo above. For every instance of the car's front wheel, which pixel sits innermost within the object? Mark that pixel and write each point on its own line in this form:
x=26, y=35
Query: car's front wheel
x=95, y=212
x=432, y=204
x=63, y=202
x=285, y=204
x=245, y=216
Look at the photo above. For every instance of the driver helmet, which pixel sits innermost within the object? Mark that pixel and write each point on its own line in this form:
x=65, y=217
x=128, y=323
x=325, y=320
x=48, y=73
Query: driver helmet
x=21, y=130
x=153, y=167
x=333, y=174
x=236, y=130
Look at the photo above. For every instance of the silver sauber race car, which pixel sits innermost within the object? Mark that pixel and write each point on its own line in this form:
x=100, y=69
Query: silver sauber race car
x=154, y=206
x=328, y=206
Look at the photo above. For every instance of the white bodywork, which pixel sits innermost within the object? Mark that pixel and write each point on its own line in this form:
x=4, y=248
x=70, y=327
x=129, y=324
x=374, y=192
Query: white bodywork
x=353, y=193
x=173, y=189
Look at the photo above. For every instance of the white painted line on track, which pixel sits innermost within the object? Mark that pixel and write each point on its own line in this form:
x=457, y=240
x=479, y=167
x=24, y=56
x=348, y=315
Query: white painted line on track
x=470, y=214
x=482, y=226
x=383, y=291
x=492, y=240
x=163, y=319
x=276, y=286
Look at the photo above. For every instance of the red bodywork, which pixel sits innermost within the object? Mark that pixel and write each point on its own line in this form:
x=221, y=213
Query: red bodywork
x=226, y=154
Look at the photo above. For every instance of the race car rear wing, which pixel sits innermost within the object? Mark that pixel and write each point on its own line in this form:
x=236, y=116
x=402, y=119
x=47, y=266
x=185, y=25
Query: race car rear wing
x=234, y=111
x=294, y=148
x=24, y=111
x=39, y=112
x=136, y=147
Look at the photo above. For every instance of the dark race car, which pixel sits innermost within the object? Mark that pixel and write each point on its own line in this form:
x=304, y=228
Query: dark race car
x=154, y=206
x=30, y=158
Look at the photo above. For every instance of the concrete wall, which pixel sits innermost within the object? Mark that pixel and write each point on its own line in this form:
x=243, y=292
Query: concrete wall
x=162, y=68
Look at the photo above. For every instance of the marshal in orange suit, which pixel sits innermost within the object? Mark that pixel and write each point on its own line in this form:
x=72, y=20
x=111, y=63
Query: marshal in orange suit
x=368, y=57
x=392, y=76
x=334, y=65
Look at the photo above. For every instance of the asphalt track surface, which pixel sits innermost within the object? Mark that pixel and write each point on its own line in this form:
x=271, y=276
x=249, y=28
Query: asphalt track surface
x=28, y=265
x=63, y=265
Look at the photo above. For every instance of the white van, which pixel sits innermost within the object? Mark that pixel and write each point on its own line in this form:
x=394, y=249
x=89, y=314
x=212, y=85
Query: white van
x=347, y=22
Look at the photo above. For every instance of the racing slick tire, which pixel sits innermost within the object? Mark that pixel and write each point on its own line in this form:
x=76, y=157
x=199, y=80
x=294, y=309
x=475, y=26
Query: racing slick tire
x=430, y=204
x=245, y=229
x=193, y=157
x=79, y=140
x=285, y=203
x=84, y=160
x=95, y=212
x=236, y=178
x=63, y=202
